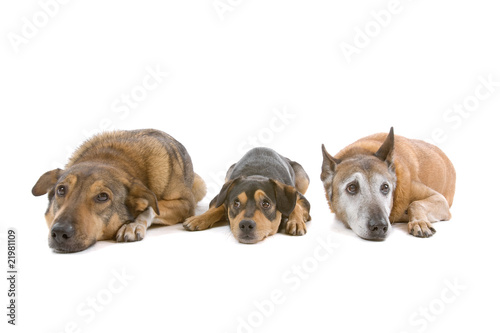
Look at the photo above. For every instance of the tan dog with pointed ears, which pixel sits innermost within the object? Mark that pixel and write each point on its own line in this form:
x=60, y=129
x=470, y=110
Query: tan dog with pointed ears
x=383, y=179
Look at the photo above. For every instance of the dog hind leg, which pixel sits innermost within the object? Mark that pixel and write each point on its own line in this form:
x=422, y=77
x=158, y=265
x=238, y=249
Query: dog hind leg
x=174, y=211
x=301, y=177
x=199, y=188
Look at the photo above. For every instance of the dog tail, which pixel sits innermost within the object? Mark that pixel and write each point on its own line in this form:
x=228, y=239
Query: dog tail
x=199, y=188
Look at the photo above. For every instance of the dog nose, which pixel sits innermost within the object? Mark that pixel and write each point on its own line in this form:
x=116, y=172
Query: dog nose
x=62, y=232
x=247, y=225
x=378, y=227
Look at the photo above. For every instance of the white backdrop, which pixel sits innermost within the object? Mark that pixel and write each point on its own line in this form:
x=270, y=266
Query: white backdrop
x=223, y=76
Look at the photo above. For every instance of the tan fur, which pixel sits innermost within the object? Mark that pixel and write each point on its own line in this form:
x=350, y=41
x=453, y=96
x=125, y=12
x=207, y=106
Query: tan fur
x=242, y=197
x=301, y=179
x=207, y=219
x=265, y=227
x=199, y=188
x=296, y=224
x=146, y=168
x=258, y=196
x=114, y=224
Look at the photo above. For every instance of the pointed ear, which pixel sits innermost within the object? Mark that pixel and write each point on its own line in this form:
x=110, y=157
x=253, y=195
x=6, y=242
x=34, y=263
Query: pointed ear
x=46, y=182
x=385, y=152
x=140, y=197
x=226, y=188
x=286, y=197
x=329, y=165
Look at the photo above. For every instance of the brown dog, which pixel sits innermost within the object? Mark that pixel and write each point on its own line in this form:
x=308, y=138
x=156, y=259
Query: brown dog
x=115, y=186
x=263, y=191
x=383, y=178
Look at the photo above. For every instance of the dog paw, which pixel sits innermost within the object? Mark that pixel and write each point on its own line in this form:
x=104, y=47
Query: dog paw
x=131, y=232
x=195, y=223
x=421, y=229
x=296, y=227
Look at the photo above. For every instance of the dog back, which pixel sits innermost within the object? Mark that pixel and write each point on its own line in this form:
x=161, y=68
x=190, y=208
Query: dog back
x=264, y=162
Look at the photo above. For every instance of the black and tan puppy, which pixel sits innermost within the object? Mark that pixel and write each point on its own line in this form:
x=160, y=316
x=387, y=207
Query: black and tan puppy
x=262, y=191
x=115, y=186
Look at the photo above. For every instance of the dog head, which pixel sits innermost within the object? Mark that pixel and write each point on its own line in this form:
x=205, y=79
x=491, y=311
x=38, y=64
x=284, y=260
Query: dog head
x=89, y=202
x=255, y=206
x=359, y=189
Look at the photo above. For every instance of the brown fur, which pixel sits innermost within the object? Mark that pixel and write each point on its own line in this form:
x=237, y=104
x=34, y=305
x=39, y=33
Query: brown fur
x=425, y=178
x=137, y=170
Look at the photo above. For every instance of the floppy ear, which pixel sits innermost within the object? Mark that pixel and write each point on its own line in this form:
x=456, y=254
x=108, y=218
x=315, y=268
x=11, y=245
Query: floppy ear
x=46, y=182
x=329, y=165
x=385, y=152
x=221, y=197
x=286, y=197
x=140, y=197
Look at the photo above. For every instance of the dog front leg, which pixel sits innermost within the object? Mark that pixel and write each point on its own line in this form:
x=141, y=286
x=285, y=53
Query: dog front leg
x=296, y=224
x=205, y=220
x=136, y=230
x=432, y=208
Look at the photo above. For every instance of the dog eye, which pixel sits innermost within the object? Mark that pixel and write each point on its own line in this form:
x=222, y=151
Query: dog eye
x=236, y=203
x=265, y=204
x=352, y=188
x=102, y=197
x=61, y=191
x=384, y=188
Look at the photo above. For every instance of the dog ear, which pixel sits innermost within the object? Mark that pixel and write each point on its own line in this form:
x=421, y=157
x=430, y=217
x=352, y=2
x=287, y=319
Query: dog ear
x=385, y=152
x=286, y=197
x=222, y=196
x=329, y=165
x=46, y=182
x=140, y=197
